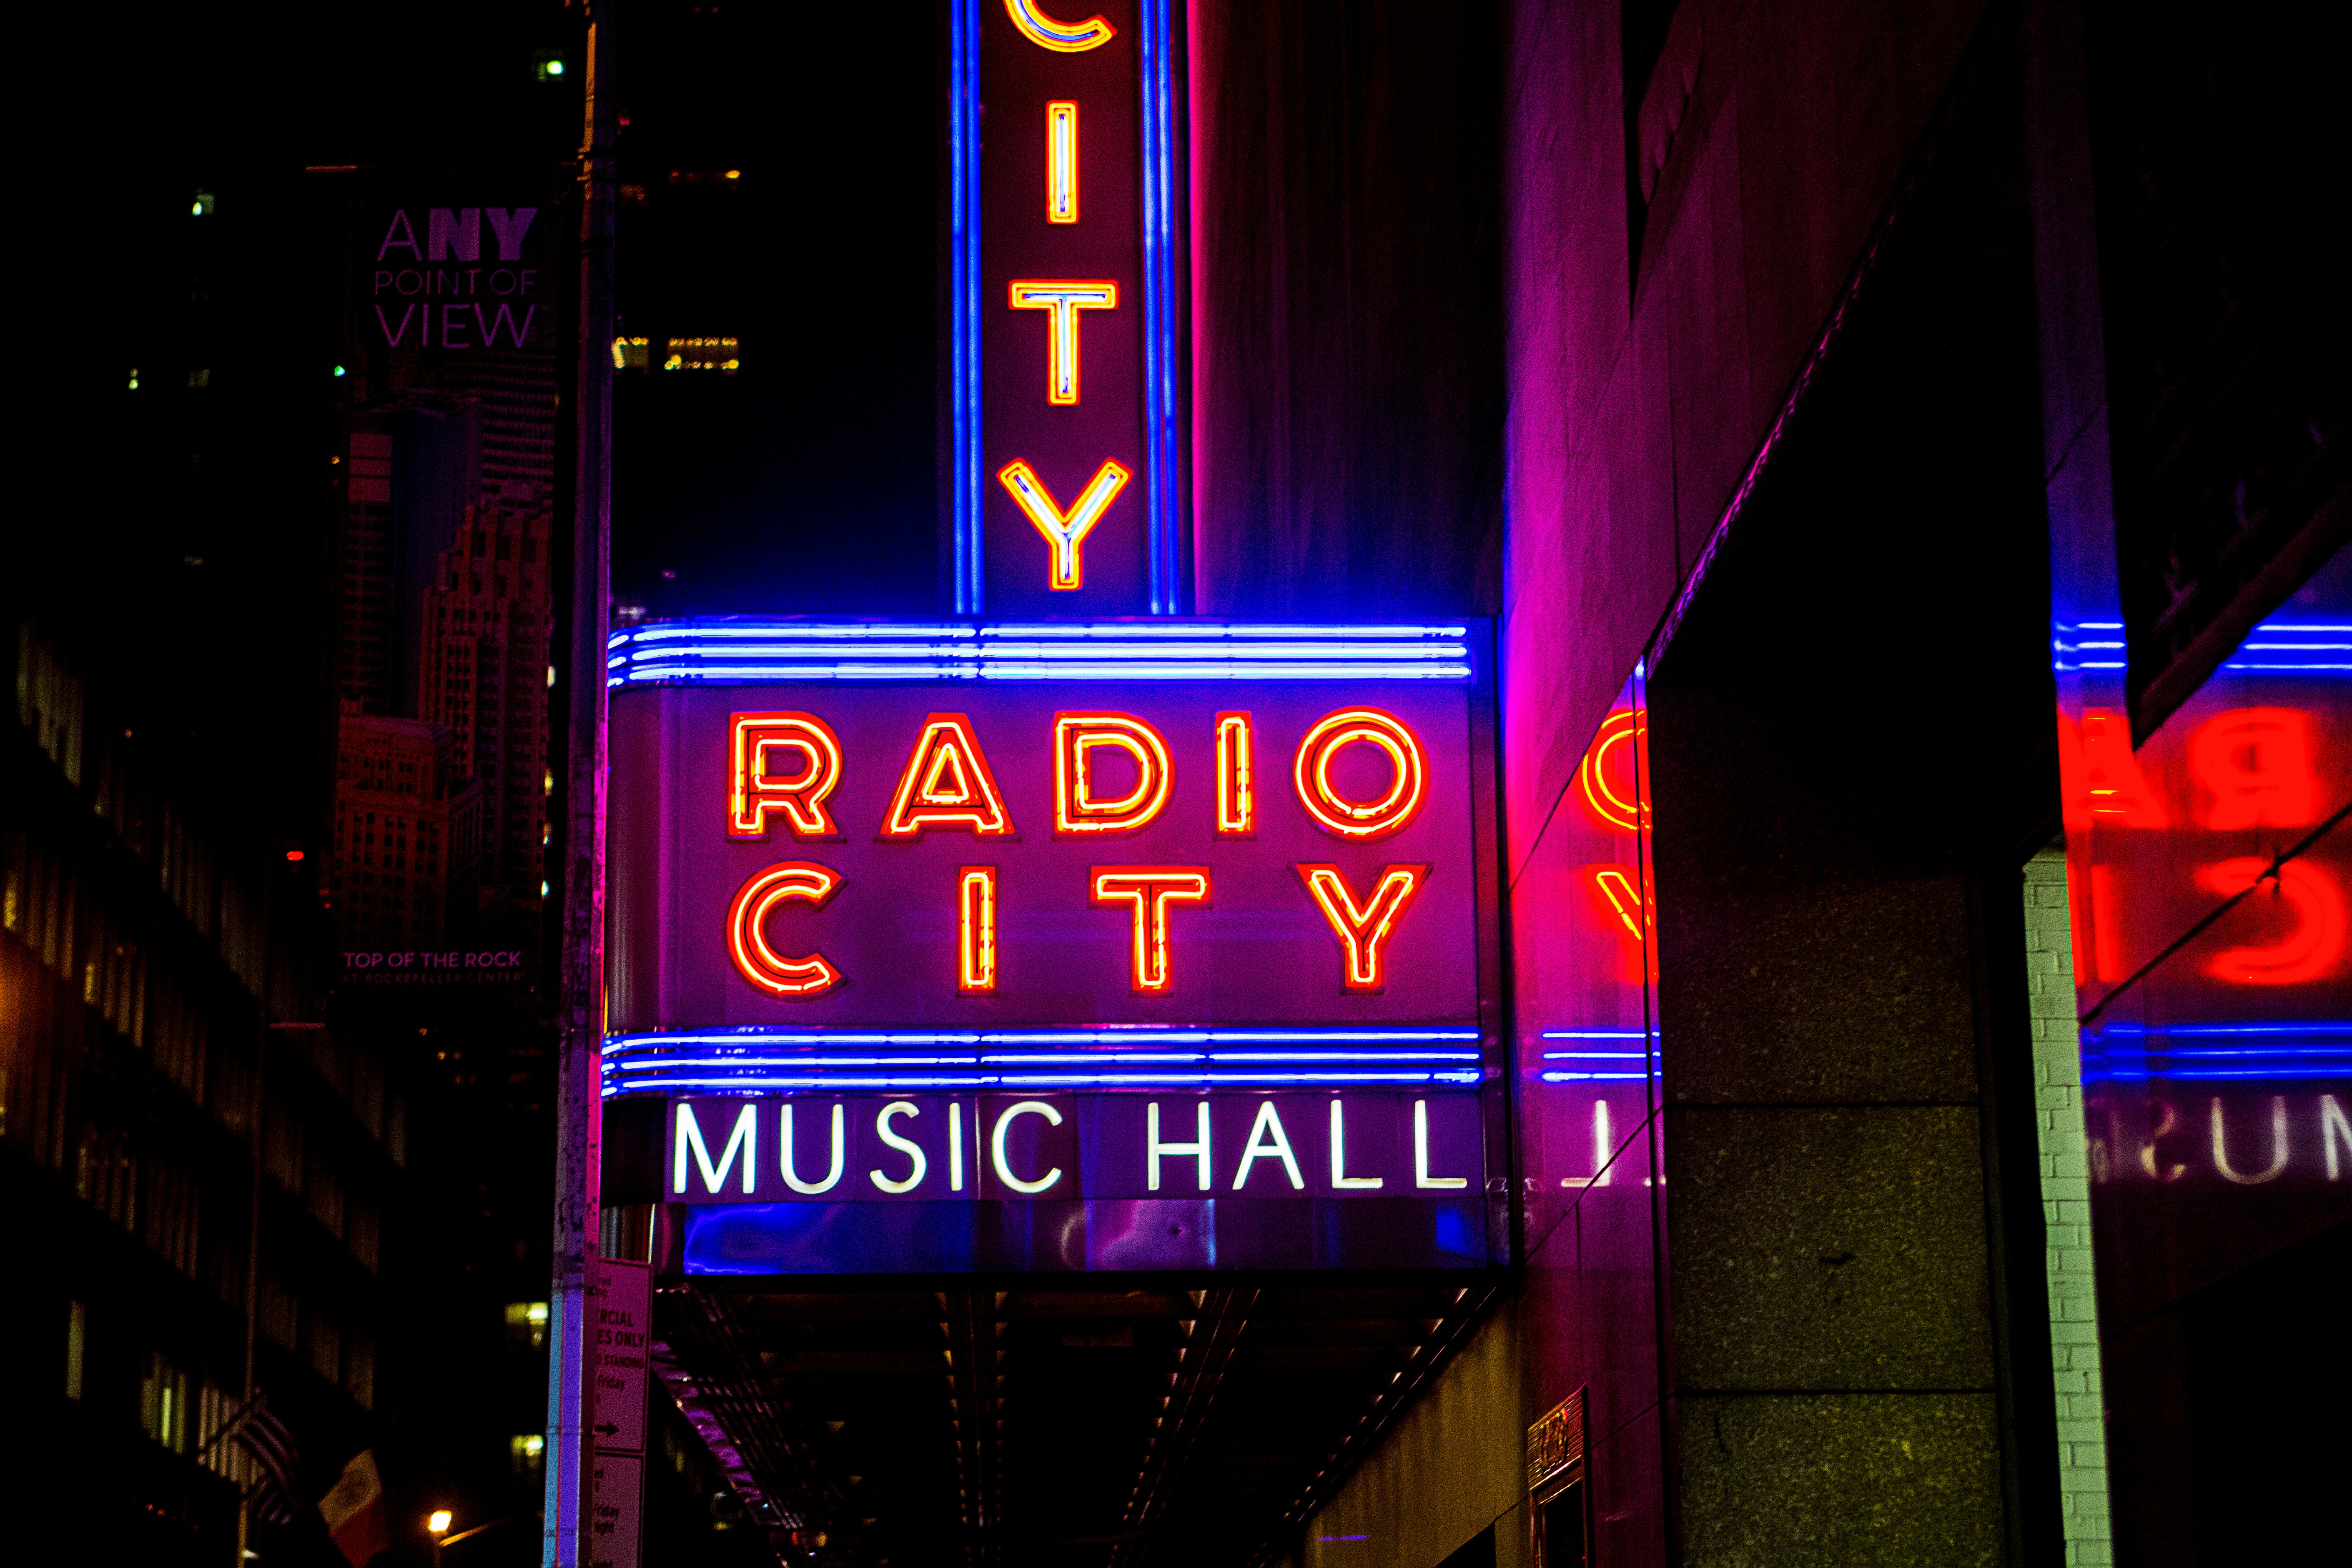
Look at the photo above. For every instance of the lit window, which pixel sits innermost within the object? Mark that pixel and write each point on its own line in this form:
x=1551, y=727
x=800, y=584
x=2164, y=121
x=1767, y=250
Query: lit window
x=527, y=1323
x=526, y=1451
x=547, y=65
x=722, y=354
x=202, y=206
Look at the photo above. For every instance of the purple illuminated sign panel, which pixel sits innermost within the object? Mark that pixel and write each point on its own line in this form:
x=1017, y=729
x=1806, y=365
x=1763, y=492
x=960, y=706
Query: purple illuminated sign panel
x=974, y=923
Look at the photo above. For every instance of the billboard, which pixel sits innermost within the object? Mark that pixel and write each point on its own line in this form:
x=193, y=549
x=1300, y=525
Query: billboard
x=944, y=946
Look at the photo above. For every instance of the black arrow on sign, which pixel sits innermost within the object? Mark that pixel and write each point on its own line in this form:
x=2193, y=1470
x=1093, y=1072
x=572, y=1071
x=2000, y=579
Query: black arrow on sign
x=608, y=1427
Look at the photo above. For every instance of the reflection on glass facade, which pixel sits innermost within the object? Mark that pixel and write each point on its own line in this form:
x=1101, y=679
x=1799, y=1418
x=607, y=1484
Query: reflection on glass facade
x=1587, y=1094
x=2208, y=870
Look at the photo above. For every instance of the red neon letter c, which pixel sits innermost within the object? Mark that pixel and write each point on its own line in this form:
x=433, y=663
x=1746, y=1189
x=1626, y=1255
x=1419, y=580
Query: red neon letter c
x=747, y=938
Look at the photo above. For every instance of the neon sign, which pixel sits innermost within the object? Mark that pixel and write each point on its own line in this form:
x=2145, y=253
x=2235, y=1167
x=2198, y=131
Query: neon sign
x=891, y=869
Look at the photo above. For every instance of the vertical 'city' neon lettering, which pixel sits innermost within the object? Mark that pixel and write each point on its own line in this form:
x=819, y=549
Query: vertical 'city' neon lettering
x=1064, y=533
x=2316, y=946
x=754, y=794
x=1077, y=810
x=1061, y=163
x=1268, y=1141
x=1361, y=819
x=2254, y=765
x=747, y=937
x=1236, y=776
x=1150, y=890
x=1032, y=22
x=1062, y=298
x=1363, y=926
x=947, y=784
x=975, y=929
x=1154, y=1148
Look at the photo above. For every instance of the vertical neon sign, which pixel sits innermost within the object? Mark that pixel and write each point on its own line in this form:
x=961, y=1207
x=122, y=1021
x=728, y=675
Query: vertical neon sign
x=1066, y=318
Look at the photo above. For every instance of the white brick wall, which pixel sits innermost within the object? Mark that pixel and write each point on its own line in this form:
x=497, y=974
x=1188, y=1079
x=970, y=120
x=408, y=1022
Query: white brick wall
x=2066, y=1211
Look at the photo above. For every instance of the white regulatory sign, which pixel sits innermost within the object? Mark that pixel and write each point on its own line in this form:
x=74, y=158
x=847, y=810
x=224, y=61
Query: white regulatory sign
x=620, y=1328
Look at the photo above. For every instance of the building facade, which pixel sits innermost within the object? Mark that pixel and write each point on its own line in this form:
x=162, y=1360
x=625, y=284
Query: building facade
x=1889, y=445
x=214, y=1182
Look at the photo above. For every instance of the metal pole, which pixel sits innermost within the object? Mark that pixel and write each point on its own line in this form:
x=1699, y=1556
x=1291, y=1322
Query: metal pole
x=259, y=1127
x=578, y=1110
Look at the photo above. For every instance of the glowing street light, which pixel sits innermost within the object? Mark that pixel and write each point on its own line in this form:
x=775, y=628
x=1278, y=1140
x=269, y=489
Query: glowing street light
x=437, y=1523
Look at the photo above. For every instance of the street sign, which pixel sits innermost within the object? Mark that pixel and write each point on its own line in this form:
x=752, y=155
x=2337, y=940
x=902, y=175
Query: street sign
x=615, y=1514
x=620, y=1327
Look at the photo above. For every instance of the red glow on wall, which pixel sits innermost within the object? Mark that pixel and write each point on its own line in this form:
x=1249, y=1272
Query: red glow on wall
x=2253, y=766
x=1605, y=780
x=2311, y=949
x=1623, y=913
x=2099, y=777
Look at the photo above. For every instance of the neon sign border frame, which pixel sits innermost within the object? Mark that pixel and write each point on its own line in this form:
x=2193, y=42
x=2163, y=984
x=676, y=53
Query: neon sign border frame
x=758, y=650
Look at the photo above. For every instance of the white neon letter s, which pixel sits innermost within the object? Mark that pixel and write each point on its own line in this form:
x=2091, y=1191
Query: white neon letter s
x=906, y=1146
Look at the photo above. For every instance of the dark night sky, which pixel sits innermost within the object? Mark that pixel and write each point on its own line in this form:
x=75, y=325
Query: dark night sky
x=805, y=483
x=187, y=533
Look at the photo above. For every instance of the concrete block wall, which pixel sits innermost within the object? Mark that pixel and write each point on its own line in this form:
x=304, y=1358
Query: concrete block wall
x=2066, y=1208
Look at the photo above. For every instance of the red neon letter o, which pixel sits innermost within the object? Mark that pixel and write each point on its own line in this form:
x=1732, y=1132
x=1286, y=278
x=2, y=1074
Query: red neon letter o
x=1361, y=821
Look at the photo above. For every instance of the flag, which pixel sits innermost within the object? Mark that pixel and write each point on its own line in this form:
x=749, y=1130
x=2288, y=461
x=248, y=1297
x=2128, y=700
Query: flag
x=261, y=1434
x=354, y=1510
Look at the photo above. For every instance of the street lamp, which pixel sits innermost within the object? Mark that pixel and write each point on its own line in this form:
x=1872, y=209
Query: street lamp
x=436, y=1525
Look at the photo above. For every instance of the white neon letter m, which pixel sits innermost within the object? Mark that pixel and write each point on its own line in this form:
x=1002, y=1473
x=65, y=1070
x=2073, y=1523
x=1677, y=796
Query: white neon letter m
x=745, y=1138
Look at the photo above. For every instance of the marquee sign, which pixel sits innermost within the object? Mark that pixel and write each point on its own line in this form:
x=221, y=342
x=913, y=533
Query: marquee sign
x=1172, y=939
x=1077, y=944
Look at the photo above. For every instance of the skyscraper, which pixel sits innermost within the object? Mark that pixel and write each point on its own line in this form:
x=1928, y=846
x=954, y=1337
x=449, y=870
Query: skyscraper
x=483, y=676
x=407, y=832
